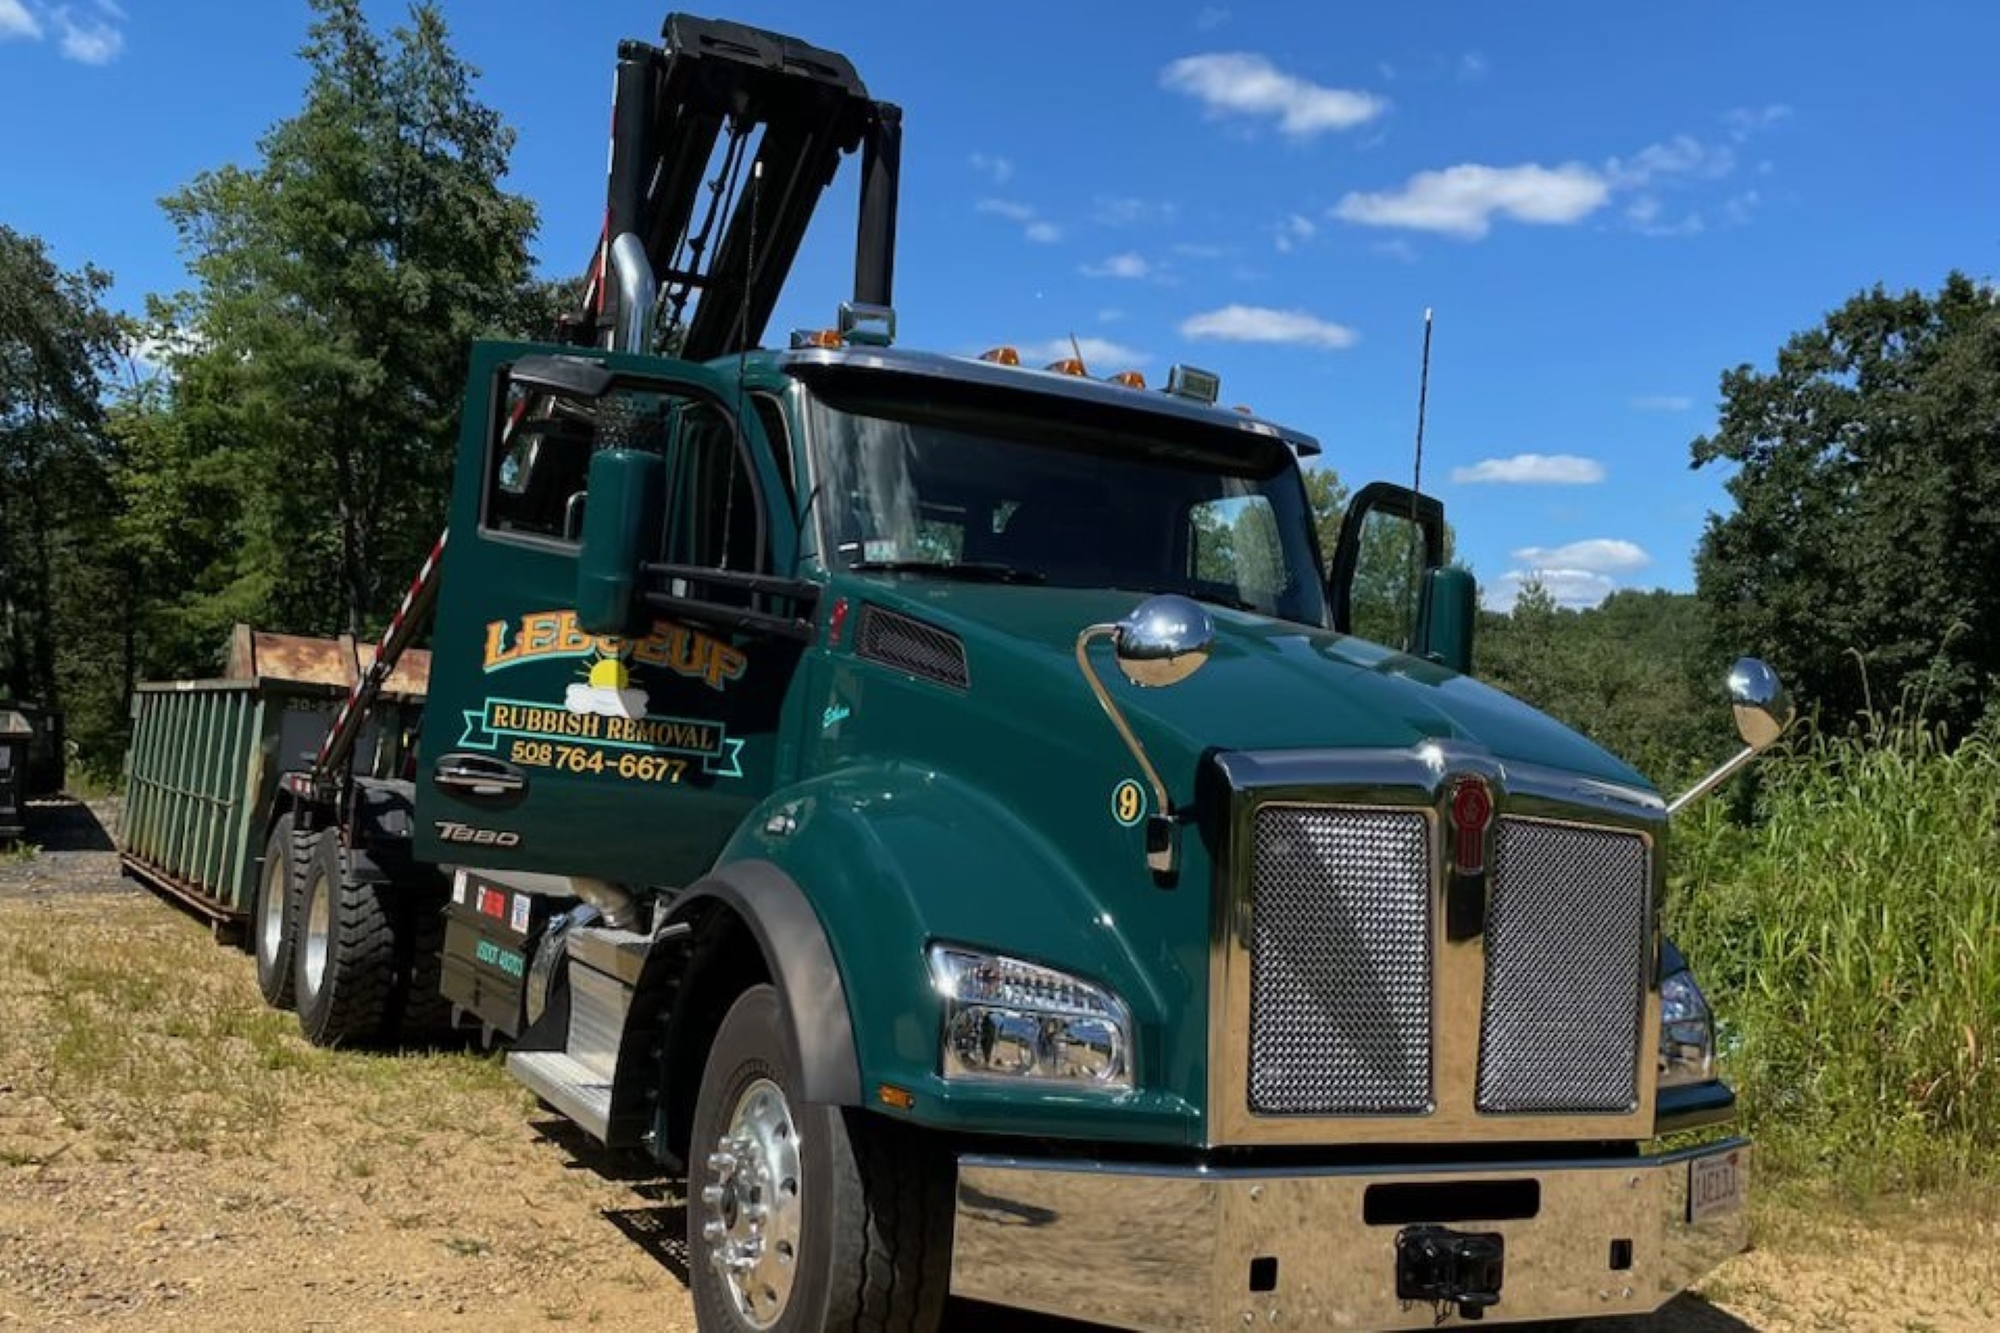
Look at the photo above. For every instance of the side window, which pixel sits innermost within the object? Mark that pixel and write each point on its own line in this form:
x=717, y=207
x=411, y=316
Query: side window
x=537, y=465
x=1234, y=548
x=717, y=522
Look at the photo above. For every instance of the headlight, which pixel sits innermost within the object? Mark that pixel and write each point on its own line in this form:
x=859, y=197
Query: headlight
x=1004, y=1018
x=1687, y=1032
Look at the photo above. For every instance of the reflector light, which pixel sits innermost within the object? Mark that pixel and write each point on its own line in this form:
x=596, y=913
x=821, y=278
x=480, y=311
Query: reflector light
x=900, y=1099
x=1131, y=379
x=836, y=623
x=1001, y=356
x=1069, y=365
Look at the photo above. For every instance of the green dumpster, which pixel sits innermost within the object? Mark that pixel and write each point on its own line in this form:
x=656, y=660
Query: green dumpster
x=202, y=770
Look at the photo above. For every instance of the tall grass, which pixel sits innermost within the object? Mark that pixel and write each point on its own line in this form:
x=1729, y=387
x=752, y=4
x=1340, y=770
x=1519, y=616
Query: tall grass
x=1849, y=938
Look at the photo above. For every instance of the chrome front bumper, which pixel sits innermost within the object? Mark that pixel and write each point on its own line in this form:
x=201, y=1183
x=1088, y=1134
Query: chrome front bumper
x=1179, y=1250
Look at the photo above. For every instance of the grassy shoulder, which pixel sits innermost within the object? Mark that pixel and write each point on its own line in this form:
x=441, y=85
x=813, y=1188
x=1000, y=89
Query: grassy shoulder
x=1849, y=938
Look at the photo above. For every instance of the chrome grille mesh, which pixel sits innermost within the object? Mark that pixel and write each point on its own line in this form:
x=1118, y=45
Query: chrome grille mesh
x=1565, y=969
x=1340, y=962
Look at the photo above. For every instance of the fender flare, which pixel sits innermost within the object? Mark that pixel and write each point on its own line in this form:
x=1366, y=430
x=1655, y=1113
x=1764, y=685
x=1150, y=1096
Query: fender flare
x=794, y=944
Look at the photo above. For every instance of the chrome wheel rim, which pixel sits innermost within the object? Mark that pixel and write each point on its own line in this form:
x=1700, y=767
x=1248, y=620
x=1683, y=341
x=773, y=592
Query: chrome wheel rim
x=271, y=921
x=319, y=927
x=751, y=1208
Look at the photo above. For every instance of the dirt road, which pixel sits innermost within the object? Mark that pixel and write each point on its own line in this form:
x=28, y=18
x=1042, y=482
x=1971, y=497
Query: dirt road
x=173, y=1155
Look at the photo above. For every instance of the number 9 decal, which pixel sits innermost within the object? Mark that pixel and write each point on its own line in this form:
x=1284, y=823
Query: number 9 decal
x=1128, y=803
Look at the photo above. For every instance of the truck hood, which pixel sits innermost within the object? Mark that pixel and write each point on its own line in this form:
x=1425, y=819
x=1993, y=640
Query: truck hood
x=1268, y=685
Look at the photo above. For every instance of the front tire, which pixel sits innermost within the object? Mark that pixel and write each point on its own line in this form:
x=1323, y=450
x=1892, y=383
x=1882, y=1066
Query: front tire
x=274, y=924
x=345, y=954
x=805, y=1218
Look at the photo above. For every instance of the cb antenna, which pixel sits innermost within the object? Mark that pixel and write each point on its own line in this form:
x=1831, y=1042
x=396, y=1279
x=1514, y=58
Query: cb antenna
x=1417, y=552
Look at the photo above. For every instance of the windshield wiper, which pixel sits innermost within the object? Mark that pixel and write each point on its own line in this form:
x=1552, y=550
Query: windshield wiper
x=972, y=571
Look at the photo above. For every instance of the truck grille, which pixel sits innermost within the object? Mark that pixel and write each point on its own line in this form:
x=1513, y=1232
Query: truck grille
x=1566, y=930
x=1340, y=962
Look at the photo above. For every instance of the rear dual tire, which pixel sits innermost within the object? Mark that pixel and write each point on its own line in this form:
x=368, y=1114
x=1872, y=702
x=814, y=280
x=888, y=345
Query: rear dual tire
x=344, y=953
x=273, y=923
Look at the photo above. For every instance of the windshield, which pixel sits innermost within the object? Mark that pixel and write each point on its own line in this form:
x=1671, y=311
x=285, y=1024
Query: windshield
x=927, y=489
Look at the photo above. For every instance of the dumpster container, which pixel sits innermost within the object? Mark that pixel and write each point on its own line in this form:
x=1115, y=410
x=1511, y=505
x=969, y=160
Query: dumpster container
x=46, y=753
x=202, y=769
x=16, y=734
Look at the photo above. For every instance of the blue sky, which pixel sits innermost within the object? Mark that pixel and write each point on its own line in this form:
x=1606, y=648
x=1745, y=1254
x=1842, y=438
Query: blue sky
x=1605, y=205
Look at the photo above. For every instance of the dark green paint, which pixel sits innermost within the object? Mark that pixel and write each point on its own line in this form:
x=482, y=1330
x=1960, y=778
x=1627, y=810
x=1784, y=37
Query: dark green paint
x=912, y=812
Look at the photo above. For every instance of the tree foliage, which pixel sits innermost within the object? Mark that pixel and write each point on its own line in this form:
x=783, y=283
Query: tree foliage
x=1861, y=552
x=59, y=597
x=320, y=357
x=1635, y=674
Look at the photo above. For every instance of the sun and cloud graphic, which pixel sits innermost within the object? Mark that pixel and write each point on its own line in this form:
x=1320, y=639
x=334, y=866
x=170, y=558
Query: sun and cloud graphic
x=608, y=692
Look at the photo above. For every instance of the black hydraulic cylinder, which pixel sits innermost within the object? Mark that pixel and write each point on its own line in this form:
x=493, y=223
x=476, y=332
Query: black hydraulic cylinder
x=875, y=233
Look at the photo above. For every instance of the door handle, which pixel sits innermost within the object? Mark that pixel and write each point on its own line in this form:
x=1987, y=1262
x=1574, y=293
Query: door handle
x=479, y=776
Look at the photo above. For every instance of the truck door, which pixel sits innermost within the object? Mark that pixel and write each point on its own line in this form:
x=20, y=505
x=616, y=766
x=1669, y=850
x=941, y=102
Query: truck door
x=547, y=748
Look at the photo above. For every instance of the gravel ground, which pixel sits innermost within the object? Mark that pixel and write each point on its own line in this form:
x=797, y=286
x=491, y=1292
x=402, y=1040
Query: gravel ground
x=172, y=1155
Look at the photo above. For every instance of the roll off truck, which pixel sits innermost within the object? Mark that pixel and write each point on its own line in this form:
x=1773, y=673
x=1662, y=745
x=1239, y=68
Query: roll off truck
x=946, y=808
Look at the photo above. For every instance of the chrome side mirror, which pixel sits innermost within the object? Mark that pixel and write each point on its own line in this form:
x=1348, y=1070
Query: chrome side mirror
x=1763, y=707
x=1165, y=640
x=1763, y=711
x=1162, y=642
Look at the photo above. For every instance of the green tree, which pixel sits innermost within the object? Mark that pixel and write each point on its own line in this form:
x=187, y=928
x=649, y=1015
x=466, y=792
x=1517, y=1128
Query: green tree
x=58, y=346
x=322, y=354
x=1635, y=674
x=1859, y=557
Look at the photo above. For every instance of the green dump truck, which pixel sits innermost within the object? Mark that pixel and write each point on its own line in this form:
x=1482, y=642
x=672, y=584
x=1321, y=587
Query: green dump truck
x=943, y=806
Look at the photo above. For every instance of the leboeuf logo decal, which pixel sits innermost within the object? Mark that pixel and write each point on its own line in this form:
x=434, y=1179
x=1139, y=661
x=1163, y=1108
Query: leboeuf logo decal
x=543, y=635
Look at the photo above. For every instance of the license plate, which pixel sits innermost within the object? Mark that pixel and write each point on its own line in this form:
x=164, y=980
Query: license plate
x=1715, y=1184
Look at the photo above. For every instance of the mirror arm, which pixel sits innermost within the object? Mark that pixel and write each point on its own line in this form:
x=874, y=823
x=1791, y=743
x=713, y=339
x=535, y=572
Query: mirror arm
x=1111, y=710
x=1729, y=769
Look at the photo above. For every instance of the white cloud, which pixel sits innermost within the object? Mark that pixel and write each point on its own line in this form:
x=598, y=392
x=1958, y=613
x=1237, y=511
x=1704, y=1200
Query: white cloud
x=997, y=169
x=1744, y=121
x=1293, y=232
x=1463, y=200
x=1576, y=589
x=1472, y=66
x=1125, y=211
x=1682, y=155
x=1190, y=250
x=1739, y=209
x=1397, y=249
x=1261, y=324
x=1532, y=470
x=1006, y=208
x=1127, y=265
x=1243, y=84
x=1101, y=355
x=91, y=39
x=1645, y=215
x=1595, y=555
x=1211, y=18
x=1033, y=225
x=1662, y=402
x=1110, y=315
x=16, y=21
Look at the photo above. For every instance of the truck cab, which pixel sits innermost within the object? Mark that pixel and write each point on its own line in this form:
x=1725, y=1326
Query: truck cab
x=965, y=765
